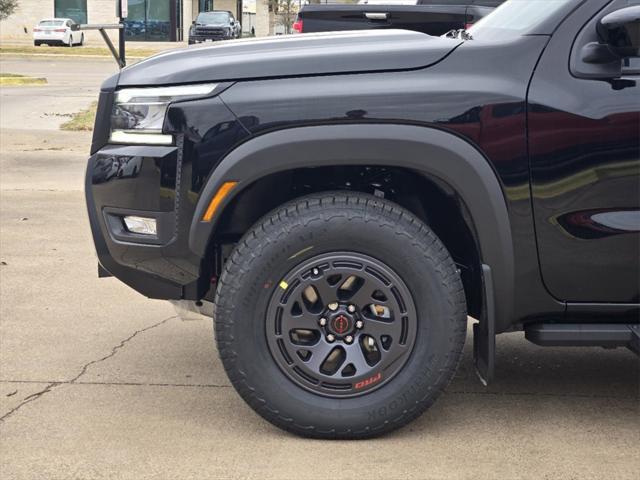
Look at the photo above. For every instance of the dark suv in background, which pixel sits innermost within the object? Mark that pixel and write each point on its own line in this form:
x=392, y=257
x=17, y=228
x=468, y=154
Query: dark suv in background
x=343, y=201
x=213, y=26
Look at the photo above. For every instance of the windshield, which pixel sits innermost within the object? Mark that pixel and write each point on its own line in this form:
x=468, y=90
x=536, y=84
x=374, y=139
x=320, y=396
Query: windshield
x=516, y=17
x=51, y=23
x=213, y=17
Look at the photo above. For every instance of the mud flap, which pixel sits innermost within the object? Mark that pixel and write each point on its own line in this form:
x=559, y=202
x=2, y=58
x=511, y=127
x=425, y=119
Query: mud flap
x=484, y=334
x=634, y=344
x=103, y=272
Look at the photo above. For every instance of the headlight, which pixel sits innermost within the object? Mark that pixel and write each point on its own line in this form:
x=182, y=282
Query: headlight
x=138, y=113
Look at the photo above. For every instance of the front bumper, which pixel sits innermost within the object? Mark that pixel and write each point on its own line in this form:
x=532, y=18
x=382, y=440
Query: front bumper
x=209, y=38
x=160, y=182
x=153, y=265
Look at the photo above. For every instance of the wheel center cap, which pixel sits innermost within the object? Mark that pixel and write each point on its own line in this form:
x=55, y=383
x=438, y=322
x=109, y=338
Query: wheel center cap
x=341, y=324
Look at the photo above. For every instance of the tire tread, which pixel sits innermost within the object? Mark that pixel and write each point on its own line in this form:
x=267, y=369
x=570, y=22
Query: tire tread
x=297, y=214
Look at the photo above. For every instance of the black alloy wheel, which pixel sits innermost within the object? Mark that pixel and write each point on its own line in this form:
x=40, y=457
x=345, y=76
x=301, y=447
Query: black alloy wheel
x=340, y=315
x=341, y=324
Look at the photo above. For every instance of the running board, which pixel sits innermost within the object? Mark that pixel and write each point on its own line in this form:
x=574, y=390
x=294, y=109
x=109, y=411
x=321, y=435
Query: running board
x=584, y=335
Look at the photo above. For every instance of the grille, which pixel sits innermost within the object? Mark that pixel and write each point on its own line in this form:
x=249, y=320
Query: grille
x=208, y=31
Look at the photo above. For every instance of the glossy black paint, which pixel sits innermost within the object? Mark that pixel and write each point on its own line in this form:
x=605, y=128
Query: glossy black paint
x=486, y=106
x=152, y=188
x=112, y=254
x=585, y=167
x=205, y=143
x=482, y=92
x=102, y=127
x=291, y=56
x=167, y=180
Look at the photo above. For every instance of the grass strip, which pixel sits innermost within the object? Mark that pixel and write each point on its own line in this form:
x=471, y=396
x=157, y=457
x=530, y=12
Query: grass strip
x=82, y=51
x=15, y=79
x=83, y=120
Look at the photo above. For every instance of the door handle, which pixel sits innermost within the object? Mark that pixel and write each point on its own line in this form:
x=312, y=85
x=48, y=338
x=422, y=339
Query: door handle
x=376, y=16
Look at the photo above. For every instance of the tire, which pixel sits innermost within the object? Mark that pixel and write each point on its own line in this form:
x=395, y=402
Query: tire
x=339, y=230
x=37, y=43
x=70, y=44
x=81, y=40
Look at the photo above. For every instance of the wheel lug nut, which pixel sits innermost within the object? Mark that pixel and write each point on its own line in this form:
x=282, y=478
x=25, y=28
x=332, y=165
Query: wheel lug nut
x=331, y=338
x=351, y=308
x=323, y=322
x=333, y=306
x=359, y=324
x=348, y=339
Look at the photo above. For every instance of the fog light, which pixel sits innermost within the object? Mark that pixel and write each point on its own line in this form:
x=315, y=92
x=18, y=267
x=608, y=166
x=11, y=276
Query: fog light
x=141, y=225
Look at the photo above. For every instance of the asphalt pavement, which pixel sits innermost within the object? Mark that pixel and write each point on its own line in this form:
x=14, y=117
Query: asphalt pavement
x=97, y=381
x=72, y=86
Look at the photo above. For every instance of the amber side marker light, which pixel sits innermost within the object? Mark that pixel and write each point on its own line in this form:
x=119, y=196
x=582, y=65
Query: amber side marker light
x=217, y=199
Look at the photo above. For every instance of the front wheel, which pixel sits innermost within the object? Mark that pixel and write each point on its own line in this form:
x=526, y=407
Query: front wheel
x=340, y=315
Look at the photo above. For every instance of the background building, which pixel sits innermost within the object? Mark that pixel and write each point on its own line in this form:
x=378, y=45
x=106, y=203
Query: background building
x=148, y=20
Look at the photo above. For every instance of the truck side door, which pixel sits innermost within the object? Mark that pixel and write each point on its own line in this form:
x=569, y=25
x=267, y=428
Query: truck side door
x=584, y=150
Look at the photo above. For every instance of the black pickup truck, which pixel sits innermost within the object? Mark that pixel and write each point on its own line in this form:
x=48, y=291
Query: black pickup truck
x=434, y=17
x=344, y=201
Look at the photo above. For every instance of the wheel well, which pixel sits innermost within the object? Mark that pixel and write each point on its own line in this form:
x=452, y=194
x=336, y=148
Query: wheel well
x=417, y=193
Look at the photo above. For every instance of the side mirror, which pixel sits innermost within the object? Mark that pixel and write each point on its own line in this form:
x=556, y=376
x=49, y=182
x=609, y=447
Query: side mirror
x=620, y=31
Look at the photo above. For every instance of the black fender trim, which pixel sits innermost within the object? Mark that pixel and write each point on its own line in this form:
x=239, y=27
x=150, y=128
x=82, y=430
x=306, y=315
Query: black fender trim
x=429, y=151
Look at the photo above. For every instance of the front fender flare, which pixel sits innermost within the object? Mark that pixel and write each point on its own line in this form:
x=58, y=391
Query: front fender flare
x=429, y=151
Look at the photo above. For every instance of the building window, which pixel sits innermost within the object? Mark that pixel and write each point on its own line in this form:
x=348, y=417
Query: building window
x=206, y=5
x=73, y=9
x=154, y=20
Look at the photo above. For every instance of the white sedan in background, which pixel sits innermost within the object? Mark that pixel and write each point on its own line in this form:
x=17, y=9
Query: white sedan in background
x=58, y=31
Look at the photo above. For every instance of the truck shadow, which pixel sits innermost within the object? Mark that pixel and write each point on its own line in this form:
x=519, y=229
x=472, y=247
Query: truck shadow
x=534, y=387
x=525, y=368
x=586, y=389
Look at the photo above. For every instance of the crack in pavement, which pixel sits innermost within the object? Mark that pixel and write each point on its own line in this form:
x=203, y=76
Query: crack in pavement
x=115, y=349
x=126, y=384
x=29, y=399
x=52, y=385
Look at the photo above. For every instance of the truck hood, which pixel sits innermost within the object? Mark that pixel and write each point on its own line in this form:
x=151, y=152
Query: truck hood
x=291, y=55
